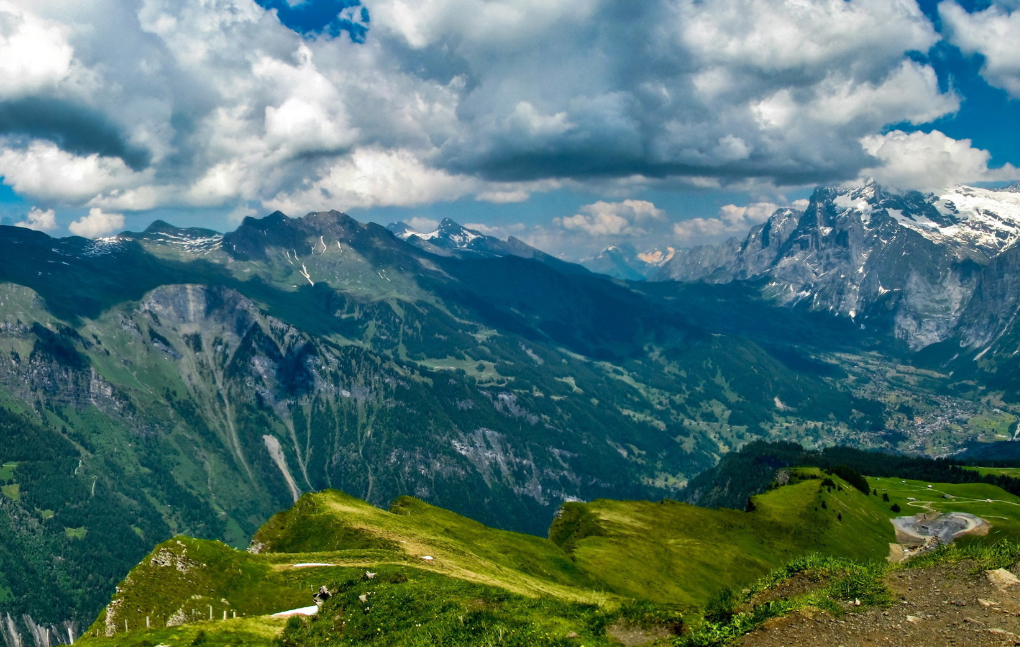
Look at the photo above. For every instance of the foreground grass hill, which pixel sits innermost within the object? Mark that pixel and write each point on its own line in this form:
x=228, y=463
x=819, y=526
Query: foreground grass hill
x=631, y=572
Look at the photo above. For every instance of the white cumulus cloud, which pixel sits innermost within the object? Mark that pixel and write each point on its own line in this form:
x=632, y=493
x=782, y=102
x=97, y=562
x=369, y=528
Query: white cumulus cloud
x=39, y=220
x=45, y=172
x=731, y=220
x=373, y=177
x=34, y=52
x=624, y=218
x=930, y=162
x=422, y=224
x=97, y=223
x=994, y=33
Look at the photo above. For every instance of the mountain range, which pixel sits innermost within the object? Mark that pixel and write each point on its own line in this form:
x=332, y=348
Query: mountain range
x=186, y=381
x=911, y=264
x=180, y=380
x=449, y=238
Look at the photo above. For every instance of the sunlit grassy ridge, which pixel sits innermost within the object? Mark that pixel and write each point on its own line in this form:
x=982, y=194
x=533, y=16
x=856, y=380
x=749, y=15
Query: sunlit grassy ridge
x=421, y=575
x=412, y=529
x=680, y=553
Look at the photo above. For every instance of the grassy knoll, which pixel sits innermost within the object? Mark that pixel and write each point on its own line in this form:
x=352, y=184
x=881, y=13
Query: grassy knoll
x=684, y=554
x=412, y=529
x=189, y=580
x=994, y=504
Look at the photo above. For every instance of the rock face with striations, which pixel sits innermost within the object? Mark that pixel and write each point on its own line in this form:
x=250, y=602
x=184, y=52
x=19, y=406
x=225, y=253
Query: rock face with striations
x=910, y=263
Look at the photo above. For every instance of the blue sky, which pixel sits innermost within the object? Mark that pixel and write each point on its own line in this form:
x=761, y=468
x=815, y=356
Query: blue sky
x=315, y=18
x=570, y=125
x=987, y=115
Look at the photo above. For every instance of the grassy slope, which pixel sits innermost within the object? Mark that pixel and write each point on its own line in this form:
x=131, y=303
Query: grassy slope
x=676, y=552
x=413, y=529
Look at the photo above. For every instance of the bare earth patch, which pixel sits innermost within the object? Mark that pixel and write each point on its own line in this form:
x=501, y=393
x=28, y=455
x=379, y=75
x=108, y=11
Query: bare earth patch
x=945, y=605
x=636, y=636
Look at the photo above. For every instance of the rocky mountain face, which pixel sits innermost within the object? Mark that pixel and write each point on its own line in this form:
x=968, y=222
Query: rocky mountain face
x=911, y=264
x=187, y=381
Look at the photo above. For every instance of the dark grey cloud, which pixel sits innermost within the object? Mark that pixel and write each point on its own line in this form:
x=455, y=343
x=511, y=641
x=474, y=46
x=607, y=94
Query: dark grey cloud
x=77, y=129
x=215, y=103
x=732, y=89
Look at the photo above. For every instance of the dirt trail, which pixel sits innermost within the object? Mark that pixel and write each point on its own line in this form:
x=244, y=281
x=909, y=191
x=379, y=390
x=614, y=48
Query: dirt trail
x=946, y=527
x=946, y=605
x=928, y=530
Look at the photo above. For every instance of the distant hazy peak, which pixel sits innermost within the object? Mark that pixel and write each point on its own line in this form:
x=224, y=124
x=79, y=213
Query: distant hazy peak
x=623, y=261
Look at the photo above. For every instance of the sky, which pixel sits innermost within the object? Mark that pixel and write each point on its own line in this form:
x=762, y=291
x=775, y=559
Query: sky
x=571, y=125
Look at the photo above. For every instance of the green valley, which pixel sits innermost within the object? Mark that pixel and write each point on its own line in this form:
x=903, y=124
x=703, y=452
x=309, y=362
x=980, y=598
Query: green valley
x=181, y=381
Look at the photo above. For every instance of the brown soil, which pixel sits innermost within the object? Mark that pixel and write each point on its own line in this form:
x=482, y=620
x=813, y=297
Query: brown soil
x=636, y=636
x=946, y=605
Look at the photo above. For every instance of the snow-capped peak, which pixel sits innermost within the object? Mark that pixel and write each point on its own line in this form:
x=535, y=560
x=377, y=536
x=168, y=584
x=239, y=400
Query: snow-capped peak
x=448, y=233
x=986, y=218
x=657, y=256
x=458, y=235
x=402, y=230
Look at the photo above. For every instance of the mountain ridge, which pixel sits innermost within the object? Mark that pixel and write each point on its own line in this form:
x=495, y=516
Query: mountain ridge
x=865, y=253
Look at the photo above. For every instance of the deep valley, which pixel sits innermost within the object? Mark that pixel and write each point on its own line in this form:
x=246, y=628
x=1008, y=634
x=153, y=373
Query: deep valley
x=180, y=381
